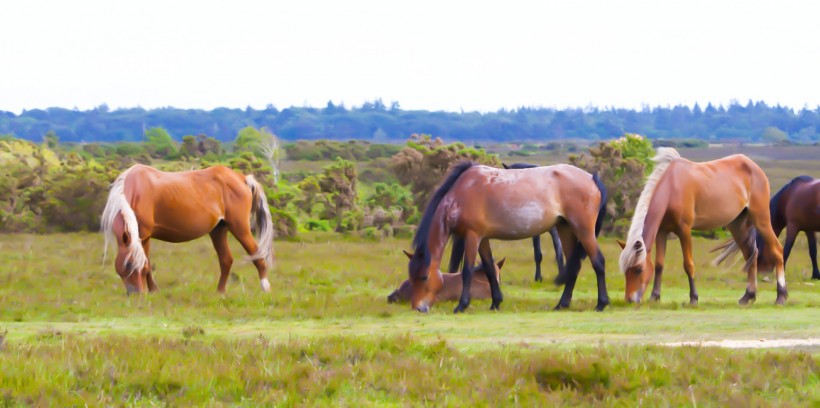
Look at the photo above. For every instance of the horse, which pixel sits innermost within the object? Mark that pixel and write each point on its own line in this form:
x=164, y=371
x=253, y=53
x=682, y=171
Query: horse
x=796, y=207
x=478, y=203
x=680, y=195
x=145, y=203
x=536, y=240
x=451, y=285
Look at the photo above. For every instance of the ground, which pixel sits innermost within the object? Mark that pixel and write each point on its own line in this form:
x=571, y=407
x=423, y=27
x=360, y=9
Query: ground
x=326, y=334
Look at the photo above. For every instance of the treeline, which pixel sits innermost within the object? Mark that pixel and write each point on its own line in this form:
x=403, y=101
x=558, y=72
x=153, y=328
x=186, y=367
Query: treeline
x=374, y=121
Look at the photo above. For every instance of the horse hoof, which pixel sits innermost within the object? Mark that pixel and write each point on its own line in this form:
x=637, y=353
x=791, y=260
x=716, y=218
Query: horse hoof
x=460, y=308
x=693, y=302
x=747, y=297
x=600, y=307
x=781, y=300
x=655, y=298
x=538, y=279
x=559, y=306
x=495, y=306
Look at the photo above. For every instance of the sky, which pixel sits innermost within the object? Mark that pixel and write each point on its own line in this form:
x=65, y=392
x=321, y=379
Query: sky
x=433, y=55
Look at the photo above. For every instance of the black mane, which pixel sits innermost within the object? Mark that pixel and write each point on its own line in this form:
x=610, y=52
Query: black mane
x=519, y=166
x=423, y=232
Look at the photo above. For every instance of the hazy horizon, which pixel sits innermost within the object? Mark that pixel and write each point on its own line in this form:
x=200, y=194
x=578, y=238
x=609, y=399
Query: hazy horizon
x=426, y=55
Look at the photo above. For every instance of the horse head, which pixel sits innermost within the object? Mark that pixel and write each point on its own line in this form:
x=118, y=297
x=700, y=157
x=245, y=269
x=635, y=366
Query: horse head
x=637, y=268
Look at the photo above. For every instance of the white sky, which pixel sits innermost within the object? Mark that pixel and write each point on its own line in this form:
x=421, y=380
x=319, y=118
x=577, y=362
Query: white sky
x=449, y=55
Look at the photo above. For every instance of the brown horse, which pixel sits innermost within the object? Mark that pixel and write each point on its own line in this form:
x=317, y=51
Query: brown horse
x=145, y=203
x=796, y=207
x=479, y=203
x=451, y=285
x=681, y=195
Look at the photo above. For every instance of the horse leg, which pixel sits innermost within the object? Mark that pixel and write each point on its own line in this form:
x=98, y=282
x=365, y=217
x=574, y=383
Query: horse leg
x=740, y=229
x=489, y=268
x=471, y=241
x=660, y=256
x=149, y=276
x=685, y=236
x=791, y=236
x=596, y=258
x=536, y=248
x=812, y=254
x=245, y=237
x=457, y=254
x=773, y=250
x=569, y=243
x=219, y=237
x=559, y=252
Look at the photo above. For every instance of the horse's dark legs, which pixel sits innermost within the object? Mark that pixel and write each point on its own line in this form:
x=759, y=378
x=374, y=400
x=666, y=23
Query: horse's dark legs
x=559, y=251
x=590, y=245
x=457, y=254
x=470, y=252
x=660, y=256
x=812, y=254
x=489, y=268
x=536, y=249
x=219, y=237
x=685, y=235
x=573, y=265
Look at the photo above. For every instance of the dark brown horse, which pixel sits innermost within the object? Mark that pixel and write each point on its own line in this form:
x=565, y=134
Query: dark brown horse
x=536, y=240
x=145, y=203
x=681, y=195
x=479, y=203
x=796, y=207
x=451, y=285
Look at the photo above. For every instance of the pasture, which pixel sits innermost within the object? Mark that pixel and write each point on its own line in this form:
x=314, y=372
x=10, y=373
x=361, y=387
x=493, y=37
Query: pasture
x=326, y=335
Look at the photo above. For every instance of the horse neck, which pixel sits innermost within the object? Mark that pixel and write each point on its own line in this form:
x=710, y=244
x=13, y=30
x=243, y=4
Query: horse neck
x=437, y=239
x=654, y=216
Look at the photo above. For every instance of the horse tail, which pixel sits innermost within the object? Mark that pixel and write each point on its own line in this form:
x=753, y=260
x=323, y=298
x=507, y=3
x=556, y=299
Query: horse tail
x=730, y=248
x=261, y=222
x=117, y=204
x=579, y=253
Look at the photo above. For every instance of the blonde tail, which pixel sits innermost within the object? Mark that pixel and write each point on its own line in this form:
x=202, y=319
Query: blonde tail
x=261, y=222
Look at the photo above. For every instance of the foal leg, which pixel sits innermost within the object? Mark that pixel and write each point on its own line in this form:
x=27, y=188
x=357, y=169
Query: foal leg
x=245, y=237
x=812, y=254
x=470, y=250
x=685, y=236
x=660, y=256
x=219, y=237
x=536, y=249
x=489, y=268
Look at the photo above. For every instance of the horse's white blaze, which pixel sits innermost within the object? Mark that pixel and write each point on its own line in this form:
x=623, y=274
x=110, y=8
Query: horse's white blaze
x=265, y=284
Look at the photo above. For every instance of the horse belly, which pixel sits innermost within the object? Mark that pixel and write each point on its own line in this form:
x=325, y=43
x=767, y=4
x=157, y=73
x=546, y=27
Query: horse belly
x=523, y=220
x=182, y=226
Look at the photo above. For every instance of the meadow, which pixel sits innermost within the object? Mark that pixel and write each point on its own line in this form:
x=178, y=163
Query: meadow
x=326, y=335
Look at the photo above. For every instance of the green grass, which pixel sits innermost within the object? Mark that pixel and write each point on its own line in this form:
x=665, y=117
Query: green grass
x=327, y=335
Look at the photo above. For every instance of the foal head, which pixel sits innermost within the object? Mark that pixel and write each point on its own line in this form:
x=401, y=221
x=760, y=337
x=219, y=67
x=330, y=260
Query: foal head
x=637, y=268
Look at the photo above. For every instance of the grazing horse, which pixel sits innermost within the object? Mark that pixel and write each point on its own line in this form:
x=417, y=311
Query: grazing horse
x=145, y=203
x=796, y=207
x=536, y=240
x=451, y=285
x=479, y=203
x=681, y=195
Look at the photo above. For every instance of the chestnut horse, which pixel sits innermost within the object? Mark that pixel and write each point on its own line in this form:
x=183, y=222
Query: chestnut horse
x=796, y=207
x=536, y=240
x=145, y=203
x=681, y=195
x=479, y=203
x=451, y=285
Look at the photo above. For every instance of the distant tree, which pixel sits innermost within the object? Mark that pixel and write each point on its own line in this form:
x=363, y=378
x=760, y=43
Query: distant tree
x=51, y=139
x=339, y=185
x=773, y=135
x=159, y=143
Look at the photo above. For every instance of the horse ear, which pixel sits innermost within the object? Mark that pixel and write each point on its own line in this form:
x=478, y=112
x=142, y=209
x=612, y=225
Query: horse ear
x=500, y=263
x=409, y=255
x=621, y=243
x=505, y=165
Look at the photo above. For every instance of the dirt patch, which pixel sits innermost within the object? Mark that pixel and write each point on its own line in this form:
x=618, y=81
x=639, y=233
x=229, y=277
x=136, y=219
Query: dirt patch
x=739, y=344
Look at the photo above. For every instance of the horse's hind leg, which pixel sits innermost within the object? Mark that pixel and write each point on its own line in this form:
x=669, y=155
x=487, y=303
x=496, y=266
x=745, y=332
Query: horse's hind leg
x=685, y=236
x=813, y=254
x=245, y=237
x=489, y=268
x=590, y=243
x=740, y=229
x=219, y=237
x=536, y=249
x=773, y=250
x=569, y=244
x=559, y=251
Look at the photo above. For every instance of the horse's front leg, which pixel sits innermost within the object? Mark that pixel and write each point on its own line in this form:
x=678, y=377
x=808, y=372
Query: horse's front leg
x=660, y=256
x=536, y=249
x=489, y=268
x=149, y=269
x=470, y=251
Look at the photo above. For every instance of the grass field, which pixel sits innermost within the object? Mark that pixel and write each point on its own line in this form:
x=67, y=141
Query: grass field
x=327, y=335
